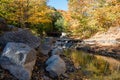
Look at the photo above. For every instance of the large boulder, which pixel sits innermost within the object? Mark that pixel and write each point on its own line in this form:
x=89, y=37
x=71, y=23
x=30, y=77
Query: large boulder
x=19, y=59
x=17, y=70
x=21, y=36
x=55, y=66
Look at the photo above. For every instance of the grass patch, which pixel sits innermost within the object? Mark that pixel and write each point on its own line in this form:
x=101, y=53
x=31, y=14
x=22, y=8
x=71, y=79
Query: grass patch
x=92, y=68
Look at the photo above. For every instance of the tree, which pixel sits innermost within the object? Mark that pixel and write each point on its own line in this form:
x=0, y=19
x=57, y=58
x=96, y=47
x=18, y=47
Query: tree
x=22, y=11
x=91, y=16
x=59, y=24
x=34, y=14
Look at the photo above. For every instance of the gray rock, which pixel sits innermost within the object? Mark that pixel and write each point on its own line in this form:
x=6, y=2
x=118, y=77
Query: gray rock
x=46, y=45
x=19, y=59
x=57, y=51
x=59, y=44
x=44, y=49
x=68, y=44
x=17, y=70
x=46, y=78
x=12, y=28
x=5, y=61
x=21, y=36
x=49, y=40
x=55, y=66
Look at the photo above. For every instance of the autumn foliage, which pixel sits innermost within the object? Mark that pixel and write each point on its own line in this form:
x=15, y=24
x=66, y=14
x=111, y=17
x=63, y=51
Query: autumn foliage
x=90, y=16
x=83, y=19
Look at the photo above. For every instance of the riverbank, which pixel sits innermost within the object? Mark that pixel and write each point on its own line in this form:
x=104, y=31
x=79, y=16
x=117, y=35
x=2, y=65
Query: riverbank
x=106, y=43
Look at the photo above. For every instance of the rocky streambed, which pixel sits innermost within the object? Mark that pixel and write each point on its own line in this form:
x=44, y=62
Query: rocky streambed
x=27, y=57
x=24, y=56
